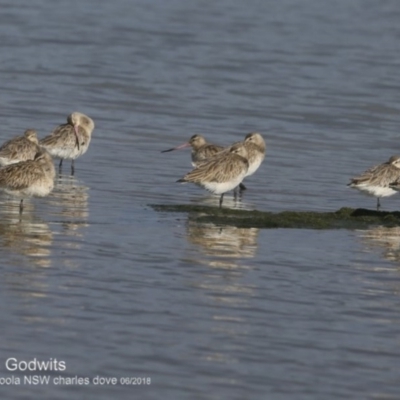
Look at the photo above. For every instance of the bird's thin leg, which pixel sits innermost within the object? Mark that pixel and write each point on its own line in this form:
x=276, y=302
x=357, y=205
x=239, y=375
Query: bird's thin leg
x=21, y=206
x=235, y=194
x=378, y=205
x=60, y=166
x=220, y=200
x=72, y=167
x=242, y=187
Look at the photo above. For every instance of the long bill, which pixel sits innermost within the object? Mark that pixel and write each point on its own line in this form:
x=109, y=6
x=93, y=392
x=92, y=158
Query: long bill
x=76, y=130
x=182, y=146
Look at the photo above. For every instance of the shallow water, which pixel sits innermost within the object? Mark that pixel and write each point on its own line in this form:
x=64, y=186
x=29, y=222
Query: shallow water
x=96, y=278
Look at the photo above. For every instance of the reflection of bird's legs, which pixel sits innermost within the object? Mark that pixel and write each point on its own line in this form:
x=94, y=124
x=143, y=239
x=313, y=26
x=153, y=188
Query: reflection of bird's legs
x=235, y=194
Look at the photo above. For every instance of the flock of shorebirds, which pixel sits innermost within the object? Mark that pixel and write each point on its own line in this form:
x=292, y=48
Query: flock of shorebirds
x=27, y=168
x=220, y=169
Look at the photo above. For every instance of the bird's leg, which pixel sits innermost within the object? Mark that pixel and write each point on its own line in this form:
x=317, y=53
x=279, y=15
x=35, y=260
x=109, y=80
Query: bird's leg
x=242, y=187
x=378, y=205
x=21, y=206
x=235, y=194
x=60, y=166
x=72, y=167
x=220, y=200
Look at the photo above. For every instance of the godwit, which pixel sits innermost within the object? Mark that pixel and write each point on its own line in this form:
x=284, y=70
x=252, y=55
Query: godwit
x=222, y=172
x=70, y=140
x=255, y=146
x=29, y=178
x=20, y=148
x=201, y=149
x=376, y=180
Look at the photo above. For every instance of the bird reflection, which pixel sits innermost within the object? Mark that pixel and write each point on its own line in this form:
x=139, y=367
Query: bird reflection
x=29, y=235
x=224, y=248
x=25, y=234
x=41, y=243
x=70, y=199
x=225, y=242
x=236, y=201
x=226, y=251
x=387, y=239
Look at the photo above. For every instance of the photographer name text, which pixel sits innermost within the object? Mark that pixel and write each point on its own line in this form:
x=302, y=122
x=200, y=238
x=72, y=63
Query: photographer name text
x=12, y=364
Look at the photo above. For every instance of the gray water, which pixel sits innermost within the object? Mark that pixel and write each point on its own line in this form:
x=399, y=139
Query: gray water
x=94, y=277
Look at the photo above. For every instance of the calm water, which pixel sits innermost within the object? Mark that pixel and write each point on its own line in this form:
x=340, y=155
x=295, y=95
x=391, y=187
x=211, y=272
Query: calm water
x=94, y=277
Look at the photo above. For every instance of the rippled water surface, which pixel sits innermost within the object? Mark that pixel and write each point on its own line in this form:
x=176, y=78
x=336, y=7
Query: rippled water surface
x=93, y=276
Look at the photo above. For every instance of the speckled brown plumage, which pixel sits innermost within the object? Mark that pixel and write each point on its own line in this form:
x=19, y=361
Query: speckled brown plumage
x=380, y=180
x=256, y=147
x=201, y=149
x=29, y=178
x=20, y=148
x=222, y=172
x=71, y=140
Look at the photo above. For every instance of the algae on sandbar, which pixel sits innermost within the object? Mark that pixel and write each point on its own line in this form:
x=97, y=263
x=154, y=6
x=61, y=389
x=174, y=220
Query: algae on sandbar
x=345, y=218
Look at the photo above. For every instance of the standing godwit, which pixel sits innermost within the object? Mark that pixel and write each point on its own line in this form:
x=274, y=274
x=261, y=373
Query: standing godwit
x=70, y=140
x=20, y=148
x=201, y=149
x=29, y=178
x=222, y=172
x=376, y=181
x=255, y=146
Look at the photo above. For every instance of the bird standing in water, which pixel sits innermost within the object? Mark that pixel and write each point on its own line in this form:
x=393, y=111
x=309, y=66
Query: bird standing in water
x=20, y=148
x=379, y=180
x=71, y=140
x=201, y=149
x=222, y=172
x=29, y=178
